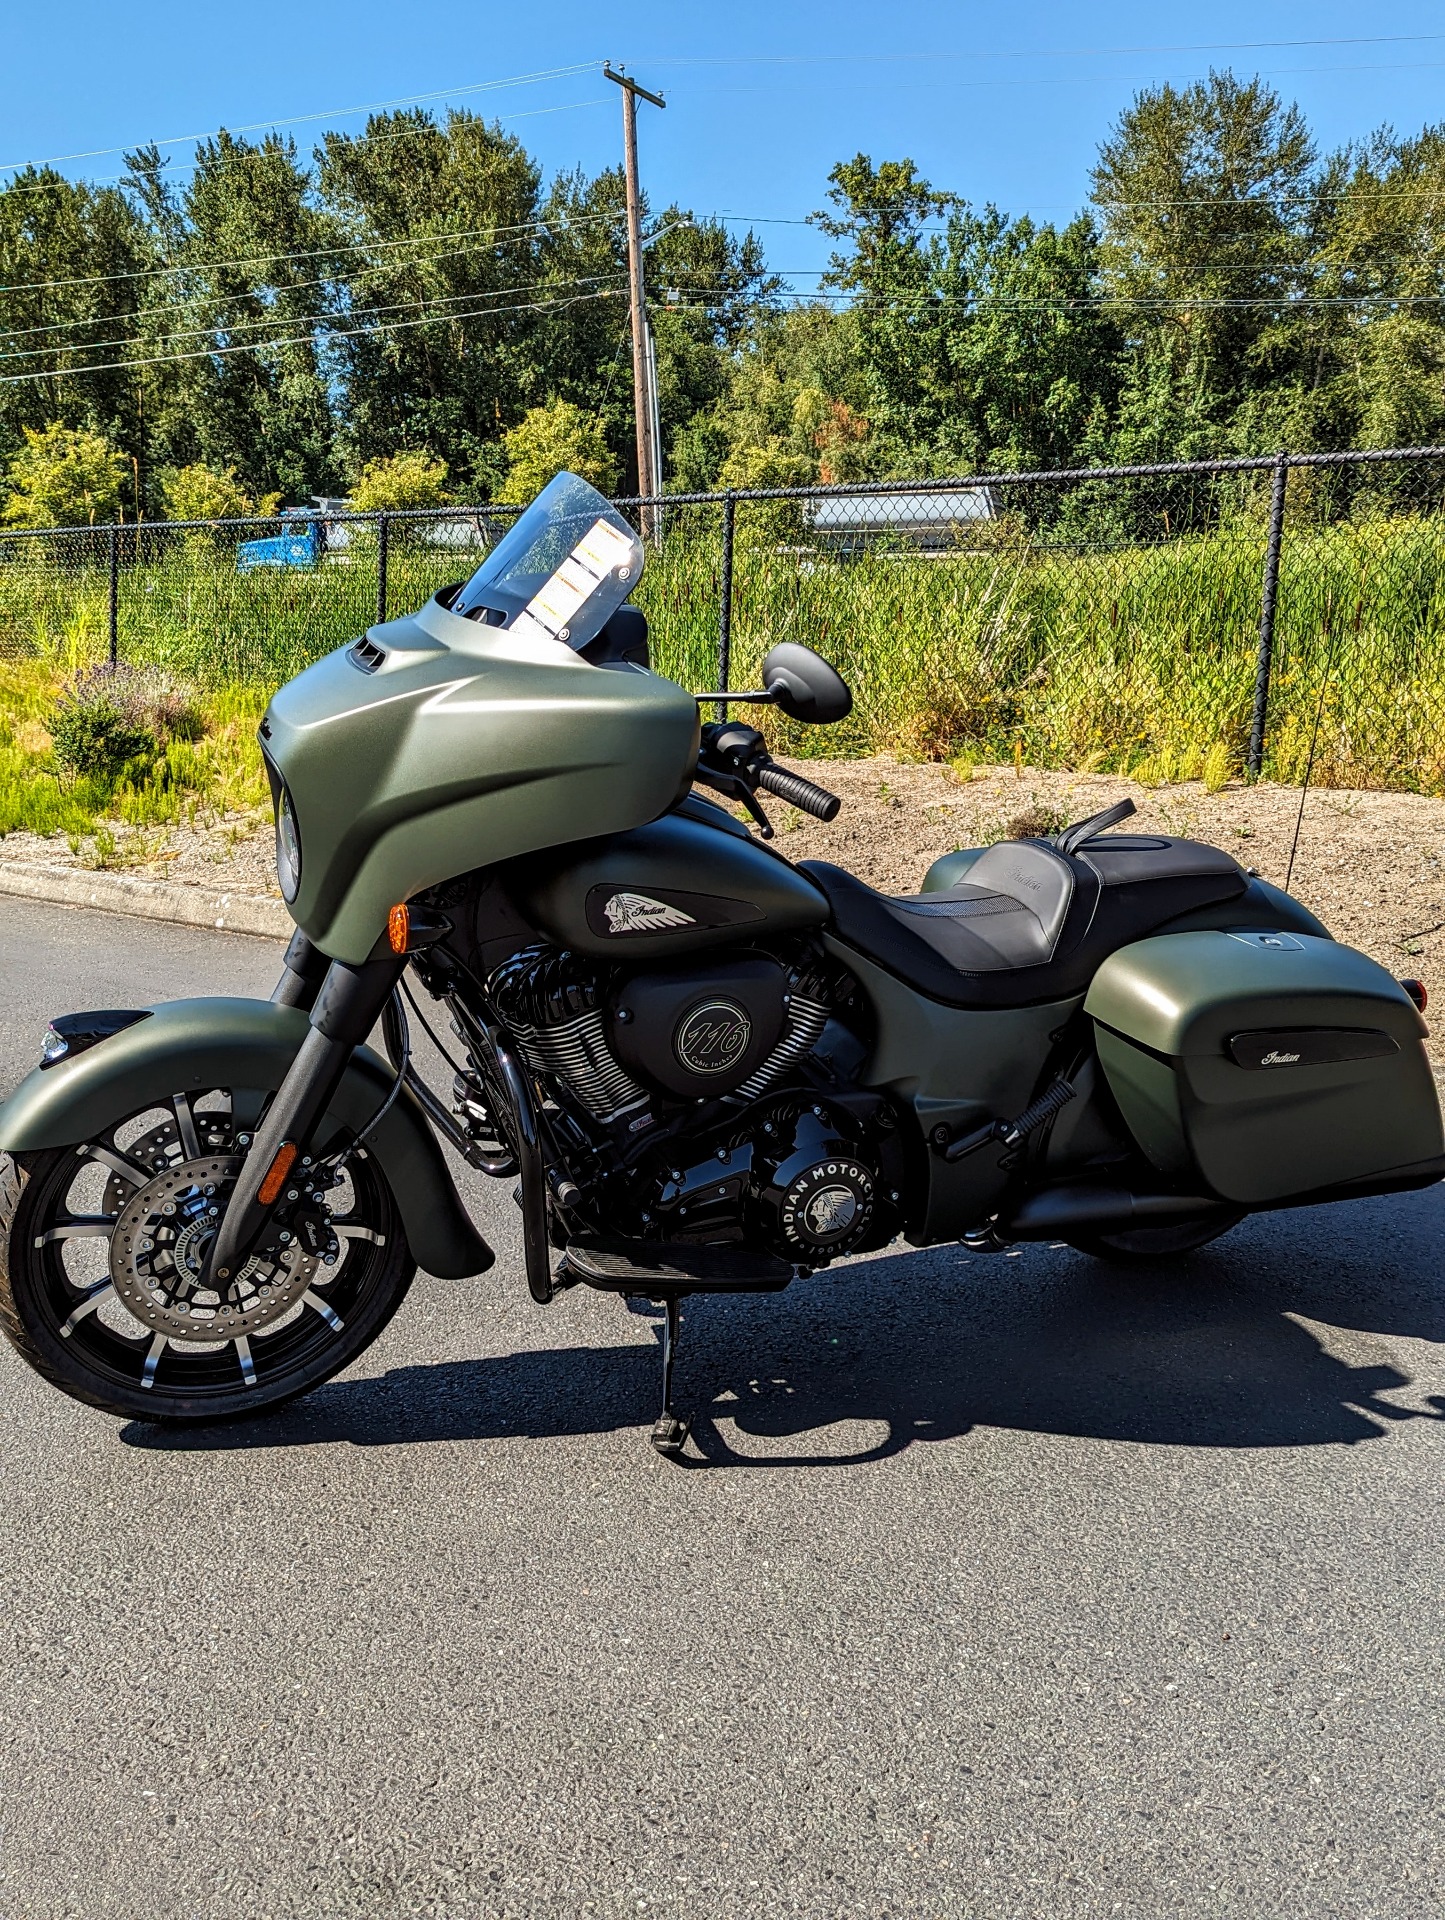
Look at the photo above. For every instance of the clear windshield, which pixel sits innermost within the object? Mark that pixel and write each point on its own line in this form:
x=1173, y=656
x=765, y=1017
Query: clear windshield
x=561, y=572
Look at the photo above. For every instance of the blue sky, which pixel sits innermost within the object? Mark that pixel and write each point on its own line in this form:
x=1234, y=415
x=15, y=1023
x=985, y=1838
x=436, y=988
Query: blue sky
x=997, y=103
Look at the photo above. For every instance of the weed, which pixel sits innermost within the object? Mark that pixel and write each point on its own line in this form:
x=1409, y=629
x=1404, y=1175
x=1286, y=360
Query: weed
x=103, y=848
x=1036, y=822
x=94, y=737
x=1218, y=767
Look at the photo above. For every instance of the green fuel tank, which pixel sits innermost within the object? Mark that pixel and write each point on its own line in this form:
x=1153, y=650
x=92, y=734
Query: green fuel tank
x=688, y=882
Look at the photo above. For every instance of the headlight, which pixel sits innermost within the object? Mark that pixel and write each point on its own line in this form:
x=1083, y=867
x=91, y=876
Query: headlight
x=288, y=847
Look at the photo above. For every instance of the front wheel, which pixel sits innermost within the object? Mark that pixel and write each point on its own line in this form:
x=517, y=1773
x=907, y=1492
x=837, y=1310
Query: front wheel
x=101, y=1247
x=1142, y=1246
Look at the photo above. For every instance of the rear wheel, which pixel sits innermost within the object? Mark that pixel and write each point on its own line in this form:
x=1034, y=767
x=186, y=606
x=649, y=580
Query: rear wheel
x=1142, y=1246
x=102, y=1244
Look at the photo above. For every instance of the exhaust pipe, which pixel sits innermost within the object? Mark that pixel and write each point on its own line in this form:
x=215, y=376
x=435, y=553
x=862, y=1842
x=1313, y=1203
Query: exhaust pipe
x=1059, y=1211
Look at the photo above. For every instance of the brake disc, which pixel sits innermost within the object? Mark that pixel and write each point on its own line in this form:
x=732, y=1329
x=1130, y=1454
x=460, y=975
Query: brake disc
x=158, y=1249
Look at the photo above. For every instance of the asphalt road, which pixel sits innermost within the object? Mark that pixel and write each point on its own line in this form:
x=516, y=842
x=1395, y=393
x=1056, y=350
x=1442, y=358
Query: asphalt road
x=1004, y=1587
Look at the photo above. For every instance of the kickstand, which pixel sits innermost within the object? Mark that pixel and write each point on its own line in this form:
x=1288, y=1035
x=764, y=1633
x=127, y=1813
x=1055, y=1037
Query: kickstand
x=669, y=1435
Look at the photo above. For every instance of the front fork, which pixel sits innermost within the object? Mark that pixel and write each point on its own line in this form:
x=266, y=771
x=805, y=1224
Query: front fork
x=311, y=981
x=345, y=1003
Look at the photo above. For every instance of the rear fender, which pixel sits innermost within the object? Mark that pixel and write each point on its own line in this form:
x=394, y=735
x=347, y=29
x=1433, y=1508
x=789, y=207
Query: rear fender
x=194, y=1045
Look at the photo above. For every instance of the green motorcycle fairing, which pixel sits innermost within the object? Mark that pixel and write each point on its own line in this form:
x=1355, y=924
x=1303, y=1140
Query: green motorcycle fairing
x=443, y=744
x=193, y=1045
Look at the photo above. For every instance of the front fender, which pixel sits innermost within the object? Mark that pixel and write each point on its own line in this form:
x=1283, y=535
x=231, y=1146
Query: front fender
x=194, y=1045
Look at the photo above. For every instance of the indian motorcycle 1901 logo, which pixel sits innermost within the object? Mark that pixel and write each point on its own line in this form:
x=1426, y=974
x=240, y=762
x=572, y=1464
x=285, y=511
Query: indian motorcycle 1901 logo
x=640, y=913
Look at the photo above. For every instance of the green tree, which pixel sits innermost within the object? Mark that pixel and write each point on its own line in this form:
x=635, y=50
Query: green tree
x=440, y=283
x=1206, y=197
x=71, y=261
x=199, y=492
x=249, y=265
x=979, y=340
x=64, y=477
x=1380, y=368
x=888, y=262
x=1032, y=357
x=794, y=405
x=405, y=480
x=704, y=286
x=557, y=438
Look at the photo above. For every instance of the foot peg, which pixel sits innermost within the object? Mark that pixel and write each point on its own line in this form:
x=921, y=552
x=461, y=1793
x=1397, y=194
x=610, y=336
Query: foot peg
x=1008, y=1134
x=669, y=1434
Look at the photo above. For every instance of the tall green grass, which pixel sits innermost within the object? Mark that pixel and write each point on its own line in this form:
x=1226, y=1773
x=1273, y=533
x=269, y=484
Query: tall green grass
x=1138, y=660
x=220, y=772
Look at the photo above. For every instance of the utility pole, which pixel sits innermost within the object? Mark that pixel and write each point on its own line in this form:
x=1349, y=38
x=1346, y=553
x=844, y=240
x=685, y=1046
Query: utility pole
x=643, y=384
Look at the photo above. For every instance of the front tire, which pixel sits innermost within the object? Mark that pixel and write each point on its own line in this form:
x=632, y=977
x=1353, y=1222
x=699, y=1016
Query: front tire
x=83, y=1318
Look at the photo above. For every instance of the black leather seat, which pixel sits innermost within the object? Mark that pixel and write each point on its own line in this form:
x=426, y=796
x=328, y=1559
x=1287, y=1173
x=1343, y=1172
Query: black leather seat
x=1031, y=923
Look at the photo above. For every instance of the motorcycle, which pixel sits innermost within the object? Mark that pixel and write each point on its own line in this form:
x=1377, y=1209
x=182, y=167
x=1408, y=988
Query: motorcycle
x=702, y=1067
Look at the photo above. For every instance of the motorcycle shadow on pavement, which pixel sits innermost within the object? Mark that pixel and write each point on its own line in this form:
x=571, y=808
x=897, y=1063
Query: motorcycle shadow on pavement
x=867, y=1359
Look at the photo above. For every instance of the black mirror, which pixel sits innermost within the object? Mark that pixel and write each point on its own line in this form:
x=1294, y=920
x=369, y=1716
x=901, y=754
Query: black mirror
x=804, y=686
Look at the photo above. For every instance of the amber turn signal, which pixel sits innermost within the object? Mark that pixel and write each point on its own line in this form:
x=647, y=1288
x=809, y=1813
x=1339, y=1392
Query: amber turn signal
x=277, y=1171
x=398, y=929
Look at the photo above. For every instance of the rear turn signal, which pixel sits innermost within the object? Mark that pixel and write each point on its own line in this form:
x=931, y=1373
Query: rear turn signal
x=1416, y=991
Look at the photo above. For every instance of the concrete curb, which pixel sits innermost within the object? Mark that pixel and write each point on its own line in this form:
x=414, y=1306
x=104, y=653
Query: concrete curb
x=148, y=899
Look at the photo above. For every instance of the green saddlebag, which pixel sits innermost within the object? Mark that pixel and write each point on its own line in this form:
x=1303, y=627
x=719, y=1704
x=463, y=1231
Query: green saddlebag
x=1267, y=1065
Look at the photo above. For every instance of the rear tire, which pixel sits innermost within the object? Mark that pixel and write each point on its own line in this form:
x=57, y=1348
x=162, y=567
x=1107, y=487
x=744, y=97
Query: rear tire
x=62, y=1312
x=1146, y=1246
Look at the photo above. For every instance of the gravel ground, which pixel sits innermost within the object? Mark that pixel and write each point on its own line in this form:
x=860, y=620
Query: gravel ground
x=1371, y=865
x=229, y=850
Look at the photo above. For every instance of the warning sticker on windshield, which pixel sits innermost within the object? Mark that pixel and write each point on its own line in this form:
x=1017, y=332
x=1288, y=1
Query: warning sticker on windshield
x=600, y=551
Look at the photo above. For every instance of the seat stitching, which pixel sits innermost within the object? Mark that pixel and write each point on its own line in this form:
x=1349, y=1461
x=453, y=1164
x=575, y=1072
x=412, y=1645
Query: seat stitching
x=961, y=909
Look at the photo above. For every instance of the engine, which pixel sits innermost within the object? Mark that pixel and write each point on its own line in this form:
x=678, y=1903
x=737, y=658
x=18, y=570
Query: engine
x=630, y=1047
x=798, y=1180
x=553, y=1008
x=688, y=1091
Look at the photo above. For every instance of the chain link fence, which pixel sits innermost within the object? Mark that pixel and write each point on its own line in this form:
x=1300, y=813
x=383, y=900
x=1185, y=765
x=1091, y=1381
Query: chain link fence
x=1202, y=619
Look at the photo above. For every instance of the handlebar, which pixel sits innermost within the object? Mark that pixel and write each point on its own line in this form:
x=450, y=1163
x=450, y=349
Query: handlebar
x=798, y=792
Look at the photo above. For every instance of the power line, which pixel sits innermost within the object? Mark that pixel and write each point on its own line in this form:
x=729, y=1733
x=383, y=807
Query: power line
x=1113, y=80
x=10, y=188
x=435, y=300
x=872, y=57
x=313, y=253
x=875, y=58
x=302, y=340
x=1287, y=303
x=1307, y=196
x=329, y=113
x=293, y=286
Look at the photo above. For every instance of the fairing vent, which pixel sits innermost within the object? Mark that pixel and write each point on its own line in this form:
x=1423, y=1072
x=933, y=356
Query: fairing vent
x=367, y=655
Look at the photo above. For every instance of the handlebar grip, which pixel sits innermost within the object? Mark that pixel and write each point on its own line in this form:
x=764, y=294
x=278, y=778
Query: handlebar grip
x=799, y=792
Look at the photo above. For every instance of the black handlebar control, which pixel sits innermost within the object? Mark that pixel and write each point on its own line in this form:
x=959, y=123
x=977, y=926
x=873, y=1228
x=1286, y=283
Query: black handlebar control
x=798, y=792
x=733, y=760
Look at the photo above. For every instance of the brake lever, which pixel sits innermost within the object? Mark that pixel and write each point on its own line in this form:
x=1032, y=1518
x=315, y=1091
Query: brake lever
x=735, y=787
